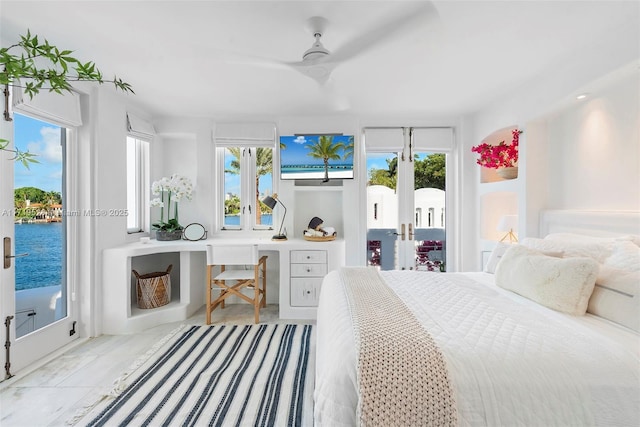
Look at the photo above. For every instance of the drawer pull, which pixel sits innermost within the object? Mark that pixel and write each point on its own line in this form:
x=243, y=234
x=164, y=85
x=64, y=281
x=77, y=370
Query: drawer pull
x=308, y=270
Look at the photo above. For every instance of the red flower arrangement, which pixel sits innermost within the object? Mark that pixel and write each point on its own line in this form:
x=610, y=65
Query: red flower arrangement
x=498, y=156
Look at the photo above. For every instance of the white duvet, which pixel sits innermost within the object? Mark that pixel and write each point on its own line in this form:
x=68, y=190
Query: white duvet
x=512, y=362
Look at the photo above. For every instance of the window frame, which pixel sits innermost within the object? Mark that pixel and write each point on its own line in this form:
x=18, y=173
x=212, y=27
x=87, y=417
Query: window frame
x=141, y=185
x=248, y=170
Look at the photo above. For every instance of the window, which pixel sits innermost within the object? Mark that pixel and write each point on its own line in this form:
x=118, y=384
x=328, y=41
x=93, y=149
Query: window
x=137, y=184
x=244, y=161
x=248, y=179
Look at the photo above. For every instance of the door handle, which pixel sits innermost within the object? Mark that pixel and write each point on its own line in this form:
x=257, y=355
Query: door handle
x=395, y=233
x=7, y=253
x=411, y=231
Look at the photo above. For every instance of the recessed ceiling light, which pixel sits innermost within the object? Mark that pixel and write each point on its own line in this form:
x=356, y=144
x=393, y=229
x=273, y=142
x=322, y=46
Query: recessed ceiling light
x=582, y=96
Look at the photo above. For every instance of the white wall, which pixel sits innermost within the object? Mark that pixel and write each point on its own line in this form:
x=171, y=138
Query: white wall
x=184, y=146
x=532, y=107
x=108, y=185
x=594, y=151
x=581, y=155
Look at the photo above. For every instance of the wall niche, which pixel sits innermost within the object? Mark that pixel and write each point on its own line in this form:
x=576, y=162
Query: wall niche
x=505, y=134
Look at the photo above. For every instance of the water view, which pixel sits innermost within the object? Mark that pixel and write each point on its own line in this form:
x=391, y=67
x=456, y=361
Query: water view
x=43, y=266
x=266, y=219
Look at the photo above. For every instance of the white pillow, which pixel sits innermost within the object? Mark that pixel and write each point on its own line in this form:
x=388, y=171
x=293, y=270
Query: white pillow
x=598, y=251
x=562, y=284
x=616, y=297
x=625, y=255
x=496, y=255
x=500, y=249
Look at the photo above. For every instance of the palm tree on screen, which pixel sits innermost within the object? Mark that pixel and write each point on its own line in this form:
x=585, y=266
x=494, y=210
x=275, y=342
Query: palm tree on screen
x=326, y=150
x=348, y=149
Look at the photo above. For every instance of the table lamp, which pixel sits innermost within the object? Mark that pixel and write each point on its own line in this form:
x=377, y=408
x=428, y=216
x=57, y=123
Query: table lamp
x=271, y=202
x=507, y=223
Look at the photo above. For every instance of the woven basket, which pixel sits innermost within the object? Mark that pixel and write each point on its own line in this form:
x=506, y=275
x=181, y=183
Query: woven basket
x=153, y=289
x=319, y=238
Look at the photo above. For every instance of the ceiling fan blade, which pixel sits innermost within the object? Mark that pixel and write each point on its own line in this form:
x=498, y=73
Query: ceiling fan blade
x=229, y=57
x=420, y=13
x=318, y=70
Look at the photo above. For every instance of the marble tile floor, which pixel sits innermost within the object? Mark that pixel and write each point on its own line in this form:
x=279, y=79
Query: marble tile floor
x=53, y=393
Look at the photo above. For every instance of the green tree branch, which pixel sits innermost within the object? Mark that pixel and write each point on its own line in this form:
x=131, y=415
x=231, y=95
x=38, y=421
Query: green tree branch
x=38, y=65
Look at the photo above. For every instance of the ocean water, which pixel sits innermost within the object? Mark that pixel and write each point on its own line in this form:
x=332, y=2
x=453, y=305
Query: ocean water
x=267, y=219
x=43, y=266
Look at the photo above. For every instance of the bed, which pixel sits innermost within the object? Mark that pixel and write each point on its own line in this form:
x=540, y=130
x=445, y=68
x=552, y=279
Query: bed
x=513, y=357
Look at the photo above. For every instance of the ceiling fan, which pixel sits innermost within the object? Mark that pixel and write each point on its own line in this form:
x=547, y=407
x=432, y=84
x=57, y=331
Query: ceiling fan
x=318, y=62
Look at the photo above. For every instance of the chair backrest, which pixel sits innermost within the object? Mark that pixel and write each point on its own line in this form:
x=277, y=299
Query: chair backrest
x=232, y=254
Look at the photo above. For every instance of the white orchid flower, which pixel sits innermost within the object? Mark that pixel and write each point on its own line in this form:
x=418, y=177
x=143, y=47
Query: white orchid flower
x=156, y=203
x=178, y=187
x=156, y=189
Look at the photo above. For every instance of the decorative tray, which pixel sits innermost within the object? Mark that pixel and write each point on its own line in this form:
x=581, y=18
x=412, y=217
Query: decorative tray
x=319, y=239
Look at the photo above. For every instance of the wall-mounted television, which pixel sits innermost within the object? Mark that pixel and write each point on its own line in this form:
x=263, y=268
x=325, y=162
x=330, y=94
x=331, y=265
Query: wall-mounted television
x=316, y=156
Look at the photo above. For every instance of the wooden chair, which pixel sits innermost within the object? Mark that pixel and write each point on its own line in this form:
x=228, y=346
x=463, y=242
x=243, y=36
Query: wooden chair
x=231, y=281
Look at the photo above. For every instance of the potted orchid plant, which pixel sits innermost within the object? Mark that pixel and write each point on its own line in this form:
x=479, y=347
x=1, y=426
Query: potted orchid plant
x=171, y=191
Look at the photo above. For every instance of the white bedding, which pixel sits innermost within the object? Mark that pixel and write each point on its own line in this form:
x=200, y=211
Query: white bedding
x=512, y=361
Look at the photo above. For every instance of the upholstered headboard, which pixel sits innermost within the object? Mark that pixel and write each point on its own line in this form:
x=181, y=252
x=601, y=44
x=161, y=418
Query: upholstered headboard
x=591, y=223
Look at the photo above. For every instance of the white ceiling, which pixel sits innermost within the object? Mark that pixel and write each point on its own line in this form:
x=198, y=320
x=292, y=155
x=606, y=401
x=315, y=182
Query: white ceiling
x=217, y=58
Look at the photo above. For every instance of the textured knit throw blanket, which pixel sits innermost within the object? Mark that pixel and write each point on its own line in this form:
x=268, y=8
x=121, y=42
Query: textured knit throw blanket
x=402, y=375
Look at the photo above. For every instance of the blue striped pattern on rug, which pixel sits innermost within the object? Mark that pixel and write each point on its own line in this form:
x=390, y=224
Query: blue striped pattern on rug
x=231, y=375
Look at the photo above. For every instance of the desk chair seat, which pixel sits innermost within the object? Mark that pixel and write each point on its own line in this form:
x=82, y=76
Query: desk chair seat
x=231, y=281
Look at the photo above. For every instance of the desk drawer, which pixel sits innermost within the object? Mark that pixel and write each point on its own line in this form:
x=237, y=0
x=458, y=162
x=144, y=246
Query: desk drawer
x=308, y=270
x=309, y=257
x=305, y=292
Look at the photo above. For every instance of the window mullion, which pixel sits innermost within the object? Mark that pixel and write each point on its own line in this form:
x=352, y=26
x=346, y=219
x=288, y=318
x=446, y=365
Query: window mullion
x=249, y=174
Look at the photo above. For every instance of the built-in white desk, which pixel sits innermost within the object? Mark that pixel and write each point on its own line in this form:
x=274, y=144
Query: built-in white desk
x=300, y=267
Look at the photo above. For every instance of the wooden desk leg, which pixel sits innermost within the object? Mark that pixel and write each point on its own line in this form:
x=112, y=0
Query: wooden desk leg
x=264, y=284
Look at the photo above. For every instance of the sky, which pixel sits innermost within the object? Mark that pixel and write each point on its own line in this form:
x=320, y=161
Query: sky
x=232, y=182
x=378, y=160
x=296, y=151
x=42, y=139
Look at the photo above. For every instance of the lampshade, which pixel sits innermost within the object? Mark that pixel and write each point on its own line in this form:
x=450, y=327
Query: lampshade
x=508, y=223
x=271, y=202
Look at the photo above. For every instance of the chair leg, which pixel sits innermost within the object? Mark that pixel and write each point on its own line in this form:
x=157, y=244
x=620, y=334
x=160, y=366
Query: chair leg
x=222, y=270
x=222, y=292
x=208, y=295
x=256, y=302
x=264, y=284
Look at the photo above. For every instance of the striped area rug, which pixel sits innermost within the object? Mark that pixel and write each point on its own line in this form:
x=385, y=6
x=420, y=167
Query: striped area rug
x=226, y=375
